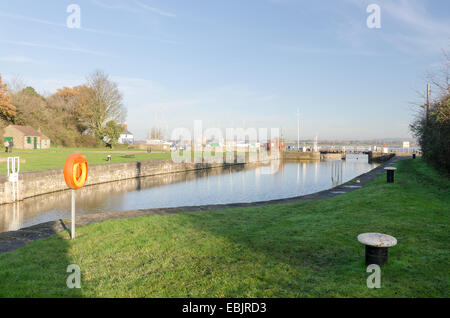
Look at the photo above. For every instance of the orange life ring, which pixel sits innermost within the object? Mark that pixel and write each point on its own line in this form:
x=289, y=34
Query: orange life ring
x=76, y=171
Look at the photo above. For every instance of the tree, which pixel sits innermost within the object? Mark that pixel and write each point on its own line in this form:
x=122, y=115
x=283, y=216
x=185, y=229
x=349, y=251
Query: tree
x=434, y=134
x=75, y=98
x=32, y=110
x=30, y=107
x=74, y=101
x=7, y=110
x=15, y=85
x=31, y=91
x=71, y=117
x=103, y=105
x=433, y=130
x=49, y=115
x=112, y=132
x=441, y=78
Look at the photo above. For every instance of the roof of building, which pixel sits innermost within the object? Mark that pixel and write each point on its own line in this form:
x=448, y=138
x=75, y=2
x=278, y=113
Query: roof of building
x=28, y=131
x=126, y=132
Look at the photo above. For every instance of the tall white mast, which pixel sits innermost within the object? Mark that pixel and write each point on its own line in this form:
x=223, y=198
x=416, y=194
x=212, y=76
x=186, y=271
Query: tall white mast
x=298, y=129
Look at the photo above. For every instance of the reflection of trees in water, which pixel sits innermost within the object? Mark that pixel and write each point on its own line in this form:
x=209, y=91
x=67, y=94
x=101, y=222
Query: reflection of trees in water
x=336, y=172
x=93, y=198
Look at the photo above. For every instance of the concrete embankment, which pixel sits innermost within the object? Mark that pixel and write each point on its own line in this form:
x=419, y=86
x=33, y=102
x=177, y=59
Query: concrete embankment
x=297, y=155
x=48, y=181
x=332, y=156
x=380, y=157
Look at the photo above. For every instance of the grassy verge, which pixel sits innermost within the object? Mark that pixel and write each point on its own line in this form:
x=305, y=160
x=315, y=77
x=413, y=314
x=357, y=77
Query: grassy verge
x=54, y=158
x=306, y=249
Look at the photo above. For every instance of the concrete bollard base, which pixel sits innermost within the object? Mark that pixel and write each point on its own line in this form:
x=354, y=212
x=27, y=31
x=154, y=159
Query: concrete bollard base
x=377, y=245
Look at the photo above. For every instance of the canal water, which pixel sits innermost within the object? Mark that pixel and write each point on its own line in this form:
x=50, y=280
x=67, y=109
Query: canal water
x=215, y=186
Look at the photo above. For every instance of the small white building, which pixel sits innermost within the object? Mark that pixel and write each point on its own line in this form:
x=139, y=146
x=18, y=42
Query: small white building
x=126, y=137
x=159, y=144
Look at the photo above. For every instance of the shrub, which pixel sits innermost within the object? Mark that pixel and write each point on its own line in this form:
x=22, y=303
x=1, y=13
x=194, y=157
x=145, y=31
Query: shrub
x=87, y=141
x=434, y=134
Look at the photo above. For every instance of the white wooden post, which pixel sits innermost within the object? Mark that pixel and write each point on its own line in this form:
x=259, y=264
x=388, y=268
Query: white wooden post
x=73, y=214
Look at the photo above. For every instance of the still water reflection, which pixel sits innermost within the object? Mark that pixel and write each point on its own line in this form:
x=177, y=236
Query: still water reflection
x=215, y=186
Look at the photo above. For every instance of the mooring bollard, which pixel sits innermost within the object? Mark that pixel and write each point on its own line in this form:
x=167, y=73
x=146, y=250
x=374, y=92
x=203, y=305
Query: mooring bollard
x=390, y=174
x=377, y=247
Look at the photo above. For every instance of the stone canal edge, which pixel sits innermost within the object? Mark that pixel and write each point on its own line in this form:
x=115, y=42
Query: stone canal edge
x=12, y=240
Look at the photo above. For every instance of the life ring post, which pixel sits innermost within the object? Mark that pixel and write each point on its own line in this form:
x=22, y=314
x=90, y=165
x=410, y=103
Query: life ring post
x=72, y=232
x=75, y=175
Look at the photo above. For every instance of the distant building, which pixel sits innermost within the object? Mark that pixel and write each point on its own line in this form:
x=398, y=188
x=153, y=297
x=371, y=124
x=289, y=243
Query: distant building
x=126, y=137
x=157, y=144
x=276, y=143
x=25, y=137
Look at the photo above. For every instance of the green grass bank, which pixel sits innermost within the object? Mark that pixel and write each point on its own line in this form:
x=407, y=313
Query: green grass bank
x=54, y=158
x=304, y=249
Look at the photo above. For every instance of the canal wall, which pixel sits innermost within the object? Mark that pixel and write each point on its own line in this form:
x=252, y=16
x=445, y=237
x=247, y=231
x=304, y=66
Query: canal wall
x=332, y=156
x=297, y=155
x=380, y=157
x=294, y=155
x=12, y=215
x=36, y=183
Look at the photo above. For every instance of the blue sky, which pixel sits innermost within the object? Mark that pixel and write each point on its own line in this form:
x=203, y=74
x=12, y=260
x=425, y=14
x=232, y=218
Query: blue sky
x=232, y=63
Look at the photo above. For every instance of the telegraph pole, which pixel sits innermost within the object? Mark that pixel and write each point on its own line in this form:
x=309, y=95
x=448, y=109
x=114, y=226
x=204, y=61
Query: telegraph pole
x=298, y=129
x=428, y=101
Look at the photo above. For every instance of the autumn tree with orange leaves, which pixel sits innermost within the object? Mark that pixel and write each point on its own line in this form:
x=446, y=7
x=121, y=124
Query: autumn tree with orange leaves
x=73, y=116
x=74, y=102
x=7, y=110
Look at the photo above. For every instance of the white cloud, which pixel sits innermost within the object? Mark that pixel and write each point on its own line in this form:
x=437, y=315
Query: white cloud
x=138, y=7
x=415, y=15
x=29, y=19
x=301, y=49
x=425, y=32
x=416, y=31
x=115, y=5
x=61, y=25
x=155, y=10
x=54, y=47
x=16, y=59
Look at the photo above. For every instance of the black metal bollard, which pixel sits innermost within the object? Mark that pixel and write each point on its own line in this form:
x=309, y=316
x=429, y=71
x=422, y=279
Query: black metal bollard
x=390, y=174
x=376, y=255
x=414, y=156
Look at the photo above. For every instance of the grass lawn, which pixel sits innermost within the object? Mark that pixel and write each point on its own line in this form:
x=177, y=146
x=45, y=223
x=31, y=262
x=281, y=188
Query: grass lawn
x=54, y=158
x=305, y=249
